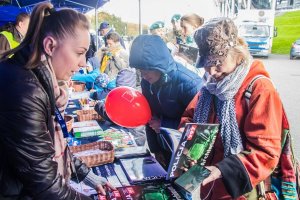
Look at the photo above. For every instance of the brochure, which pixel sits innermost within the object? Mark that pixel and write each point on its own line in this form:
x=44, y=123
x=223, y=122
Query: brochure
x=194, y=146
x=107, y=171
x=191, y=180
x=87, y=131
x=120, y=173
x=163, y=191
x=122, y=140
x=142, y=169
x=85, y=124
x=110, y=195
x=150, y=192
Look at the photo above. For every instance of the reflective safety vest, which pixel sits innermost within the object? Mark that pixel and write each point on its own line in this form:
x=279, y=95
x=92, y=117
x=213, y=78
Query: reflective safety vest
x=11, y=40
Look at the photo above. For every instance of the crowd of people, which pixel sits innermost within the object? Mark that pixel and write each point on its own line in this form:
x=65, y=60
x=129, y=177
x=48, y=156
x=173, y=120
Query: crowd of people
x=35, y=160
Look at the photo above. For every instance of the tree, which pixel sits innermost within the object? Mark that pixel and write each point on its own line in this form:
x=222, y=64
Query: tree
x=115, y=22
x=123, y=28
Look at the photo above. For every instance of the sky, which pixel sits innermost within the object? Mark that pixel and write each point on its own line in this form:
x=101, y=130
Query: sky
x=163, y=10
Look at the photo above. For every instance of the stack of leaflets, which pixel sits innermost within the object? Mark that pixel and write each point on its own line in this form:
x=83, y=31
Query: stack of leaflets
x=86, y=129
x=122, y=140
x=142, y=169
x=149, y=192
x=110, y=195
x=142, y=192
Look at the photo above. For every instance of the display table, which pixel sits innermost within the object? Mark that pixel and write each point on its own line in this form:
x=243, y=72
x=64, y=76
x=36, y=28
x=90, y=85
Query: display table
x=134, y=172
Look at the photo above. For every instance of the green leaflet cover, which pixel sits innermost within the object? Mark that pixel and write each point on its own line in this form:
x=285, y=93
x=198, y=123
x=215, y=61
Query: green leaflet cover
x=194, y=146
x=190, y=181
x=87, y=131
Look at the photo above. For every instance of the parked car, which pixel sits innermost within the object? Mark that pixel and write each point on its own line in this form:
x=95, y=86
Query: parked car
x=295, y=49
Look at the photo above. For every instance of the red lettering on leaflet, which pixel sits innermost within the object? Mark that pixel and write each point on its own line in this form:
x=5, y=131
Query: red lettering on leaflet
x=191, y=134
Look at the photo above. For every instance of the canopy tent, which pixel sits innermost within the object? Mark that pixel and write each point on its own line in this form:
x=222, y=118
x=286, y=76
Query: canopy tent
x=9, y=9
x=9, y=13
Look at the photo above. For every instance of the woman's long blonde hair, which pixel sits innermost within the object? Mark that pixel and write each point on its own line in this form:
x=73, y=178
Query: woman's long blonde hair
x=45, y=21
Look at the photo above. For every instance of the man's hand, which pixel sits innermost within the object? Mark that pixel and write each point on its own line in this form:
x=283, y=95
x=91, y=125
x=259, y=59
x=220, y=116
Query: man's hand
x=101, y=188
x=155, y=124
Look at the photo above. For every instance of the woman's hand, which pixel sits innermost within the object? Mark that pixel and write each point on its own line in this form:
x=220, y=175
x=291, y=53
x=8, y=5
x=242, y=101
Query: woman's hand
x=155, y=124
x=215, y=173
x=70, y=83
x=101, y=188
x=181, y=129
x=89, y=68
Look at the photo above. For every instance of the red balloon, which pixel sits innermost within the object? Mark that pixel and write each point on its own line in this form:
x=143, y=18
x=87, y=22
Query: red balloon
x=127, y=107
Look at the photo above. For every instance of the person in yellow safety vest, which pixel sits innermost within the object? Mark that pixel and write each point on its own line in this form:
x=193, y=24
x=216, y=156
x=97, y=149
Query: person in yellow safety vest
x=13, y=35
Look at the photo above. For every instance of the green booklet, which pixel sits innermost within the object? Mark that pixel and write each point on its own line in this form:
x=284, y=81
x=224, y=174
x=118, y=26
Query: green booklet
x=191, y=180
x=194, y=146
x=88, y=131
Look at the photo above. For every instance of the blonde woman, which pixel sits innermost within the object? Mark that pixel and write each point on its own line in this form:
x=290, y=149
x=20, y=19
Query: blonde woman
x=189, y=23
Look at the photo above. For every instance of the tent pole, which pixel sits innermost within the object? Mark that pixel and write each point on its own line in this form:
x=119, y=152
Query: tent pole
x=96, y=22
x=140, y=18
x=18, y=3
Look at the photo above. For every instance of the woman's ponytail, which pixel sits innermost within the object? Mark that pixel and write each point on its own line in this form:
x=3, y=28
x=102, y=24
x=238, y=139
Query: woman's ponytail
x=34, y=34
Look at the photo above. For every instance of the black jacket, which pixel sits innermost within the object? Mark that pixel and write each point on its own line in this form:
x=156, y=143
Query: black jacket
x=27, y=169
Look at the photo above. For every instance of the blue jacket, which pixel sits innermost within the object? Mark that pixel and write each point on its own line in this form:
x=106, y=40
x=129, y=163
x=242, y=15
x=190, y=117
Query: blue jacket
x=169, y=96
x=90, y=78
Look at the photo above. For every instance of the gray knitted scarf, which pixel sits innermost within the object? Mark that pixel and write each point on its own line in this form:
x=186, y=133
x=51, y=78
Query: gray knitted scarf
x=225, y=91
